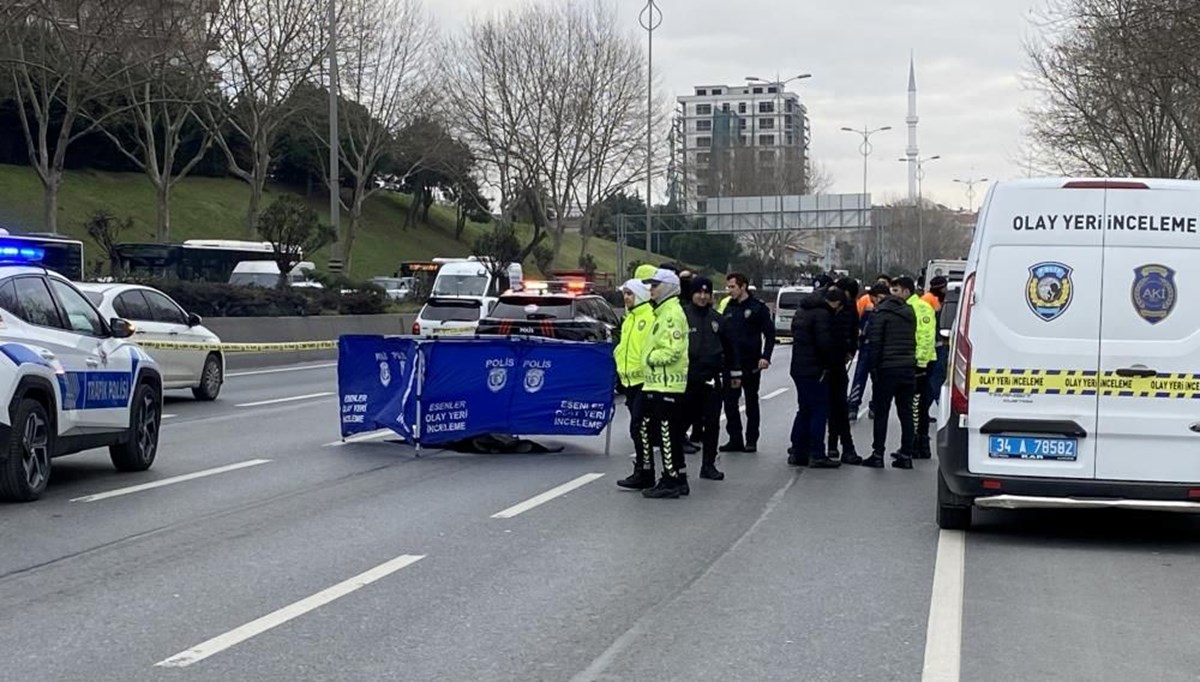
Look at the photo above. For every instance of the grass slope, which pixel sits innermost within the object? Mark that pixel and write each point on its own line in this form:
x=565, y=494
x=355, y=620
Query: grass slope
x=215, y=208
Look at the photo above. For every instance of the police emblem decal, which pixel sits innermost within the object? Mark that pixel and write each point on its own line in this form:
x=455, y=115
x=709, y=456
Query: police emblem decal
x=716, y=326
x=534, y=380
x=1154, y=292
x=746, y=314
x=641, y=325
x=497, y=378
x=1049, y=290
x=385, y=374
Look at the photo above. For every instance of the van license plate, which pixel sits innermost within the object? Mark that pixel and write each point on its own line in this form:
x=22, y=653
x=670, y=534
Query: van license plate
x=1027, y=447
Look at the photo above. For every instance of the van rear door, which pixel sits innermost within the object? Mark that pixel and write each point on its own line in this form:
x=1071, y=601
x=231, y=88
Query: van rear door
x=1150, y=340
x=1033, y=332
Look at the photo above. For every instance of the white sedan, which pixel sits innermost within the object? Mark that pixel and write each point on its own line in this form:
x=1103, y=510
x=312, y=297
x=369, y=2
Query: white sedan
x=157, y=318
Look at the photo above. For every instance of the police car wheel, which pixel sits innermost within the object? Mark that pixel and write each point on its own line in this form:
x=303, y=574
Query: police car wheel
x=141, y=445
x=26, y=470
x=951, y=513
x=210, y=379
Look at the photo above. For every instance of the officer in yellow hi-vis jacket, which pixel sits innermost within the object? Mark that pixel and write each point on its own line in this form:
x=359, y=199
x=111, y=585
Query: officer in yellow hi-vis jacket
x=665, y=371
x=926, y=357
x=630, y=355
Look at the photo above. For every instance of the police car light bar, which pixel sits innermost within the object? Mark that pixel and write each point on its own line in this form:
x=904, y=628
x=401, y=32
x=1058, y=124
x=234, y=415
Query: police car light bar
x=21, y=254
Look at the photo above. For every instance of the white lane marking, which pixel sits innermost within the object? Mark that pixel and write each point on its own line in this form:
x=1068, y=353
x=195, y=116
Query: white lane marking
x=545, y=497
x=774, y=394
x=169, y=416
x=256, y=627
x=943, y=638
x=170, y=481
x=258, y=372
x=363, y=437
x=292, y=399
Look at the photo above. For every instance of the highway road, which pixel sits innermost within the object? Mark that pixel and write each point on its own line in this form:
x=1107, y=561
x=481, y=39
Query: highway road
x=260, y=547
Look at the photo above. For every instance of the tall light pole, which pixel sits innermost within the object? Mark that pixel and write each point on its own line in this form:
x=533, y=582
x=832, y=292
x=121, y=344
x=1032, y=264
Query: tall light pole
x=921, y=204
x=780, y=84
x=650, y=19
x=336, y=256
x=970, y=183
x=865, y=149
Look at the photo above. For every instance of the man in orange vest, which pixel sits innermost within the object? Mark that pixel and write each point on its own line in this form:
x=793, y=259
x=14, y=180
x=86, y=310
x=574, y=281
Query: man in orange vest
x=866, y=305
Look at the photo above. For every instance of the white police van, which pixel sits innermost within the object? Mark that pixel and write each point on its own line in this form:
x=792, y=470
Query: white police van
x=1075, y=367
x=69, y=380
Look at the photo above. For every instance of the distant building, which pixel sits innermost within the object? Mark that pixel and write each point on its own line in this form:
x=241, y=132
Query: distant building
x=746, y=140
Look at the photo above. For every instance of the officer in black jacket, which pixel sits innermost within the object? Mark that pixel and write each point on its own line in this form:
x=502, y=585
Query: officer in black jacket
x=713, y=365
x=754, y=333
x=815, y=354
x=892, y=335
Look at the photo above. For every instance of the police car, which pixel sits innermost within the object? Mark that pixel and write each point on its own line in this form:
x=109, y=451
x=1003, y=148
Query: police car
x=70, y=379
x=557, y=309
x=1075, y=365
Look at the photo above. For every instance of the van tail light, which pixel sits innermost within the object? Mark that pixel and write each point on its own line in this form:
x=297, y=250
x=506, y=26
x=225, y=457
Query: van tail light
x=960, y=389
x=416, y=330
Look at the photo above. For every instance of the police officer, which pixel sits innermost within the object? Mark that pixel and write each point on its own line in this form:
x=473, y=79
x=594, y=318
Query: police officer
x=937, y=376
x=635, y=330
x=665, y=371
x=754, y=332
x=926, y=356
x=713, y=365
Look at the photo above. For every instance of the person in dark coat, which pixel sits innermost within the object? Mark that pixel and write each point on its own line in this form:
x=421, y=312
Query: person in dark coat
x=892, y=335
x=713, y=366
x=754, y=331
x=814, y=356
x=845, y=335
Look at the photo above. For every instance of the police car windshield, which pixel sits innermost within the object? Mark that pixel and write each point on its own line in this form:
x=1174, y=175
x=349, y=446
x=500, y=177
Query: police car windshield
x=534, y=308
x=790, y=300
x=451, y=311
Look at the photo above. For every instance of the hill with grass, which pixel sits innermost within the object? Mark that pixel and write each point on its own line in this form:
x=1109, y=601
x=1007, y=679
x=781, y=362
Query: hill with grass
x=210, y=208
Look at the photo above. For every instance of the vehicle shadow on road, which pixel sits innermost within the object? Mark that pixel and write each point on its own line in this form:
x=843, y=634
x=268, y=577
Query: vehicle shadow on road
x=1097, y=529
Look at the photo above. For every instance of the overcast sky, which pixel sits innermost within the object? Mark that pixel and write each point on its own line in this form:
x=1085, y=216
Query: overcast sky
x=969, y=60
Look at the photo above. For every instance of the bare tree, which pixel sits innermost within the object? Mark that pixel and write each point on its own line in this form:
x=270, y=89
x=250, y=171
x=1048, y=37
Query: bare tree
x=386, y=51
x=162, y=132
x=819, y=179
x=265, y=50
x=61, y=59
x=552, y=99
x=1120, y=87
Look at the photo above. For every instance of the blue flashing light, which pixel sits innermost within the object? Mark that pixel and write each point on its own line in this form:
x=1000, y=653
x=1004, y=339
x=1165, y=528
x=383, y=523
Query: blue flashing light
x=21, y=254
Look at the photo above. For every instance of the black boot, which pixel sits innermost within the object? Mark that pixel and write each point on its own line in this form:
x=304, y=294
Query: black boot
x=851, y=458
x=901, y=461
x=732, y=446
x=710, y=472
x=640, y=480
x=668, y=488
x=824, y=463
x=684, y=488
x=796, y=460
x=875, y=461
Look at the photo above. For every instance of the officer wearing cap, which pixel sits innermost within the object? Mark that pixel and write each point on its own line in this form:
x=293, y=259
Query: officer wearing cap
x=665, y=370
x=635, y=330
x=713, y=365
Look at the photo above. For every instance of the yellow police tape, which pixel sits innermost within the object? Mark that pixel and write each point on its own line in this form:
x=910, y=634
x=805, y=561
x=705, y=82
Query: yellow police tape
x=280, y=347
x=1083, y=382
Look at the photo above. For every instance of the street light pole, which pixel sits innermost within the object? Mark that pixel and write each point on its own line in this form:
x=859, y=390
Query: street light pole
x=779, y=84
x=970, y=183
x=650, y=19
x=865, y=149
x=921, y=205
x=336, y=257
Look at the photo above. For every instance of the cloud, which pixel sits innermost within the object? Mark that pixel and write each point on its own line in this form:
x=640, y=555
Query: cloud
x=969, y=59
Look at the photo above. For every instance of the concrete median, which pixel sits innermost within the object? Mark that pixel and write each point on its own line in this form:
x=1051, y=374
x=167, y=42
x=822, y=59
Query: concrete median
x=244, y=332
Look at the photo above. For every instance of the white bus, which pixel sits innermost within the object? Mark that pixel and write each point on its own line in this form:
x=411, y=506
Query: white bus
x=210, y=260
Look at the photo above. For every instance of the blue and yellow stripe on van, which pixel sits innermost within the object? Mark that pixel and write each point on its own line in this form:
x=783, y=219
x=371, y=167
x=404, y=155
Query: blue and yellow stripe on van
x=1082, y=382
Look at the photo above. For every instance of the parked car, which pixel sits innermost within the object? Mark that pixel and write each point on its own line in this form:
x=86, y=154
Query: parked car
x=553, y=310
x=397, y=288
x=156, y=317
x=265, y=273
x=787, y=302
x=443, y=316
